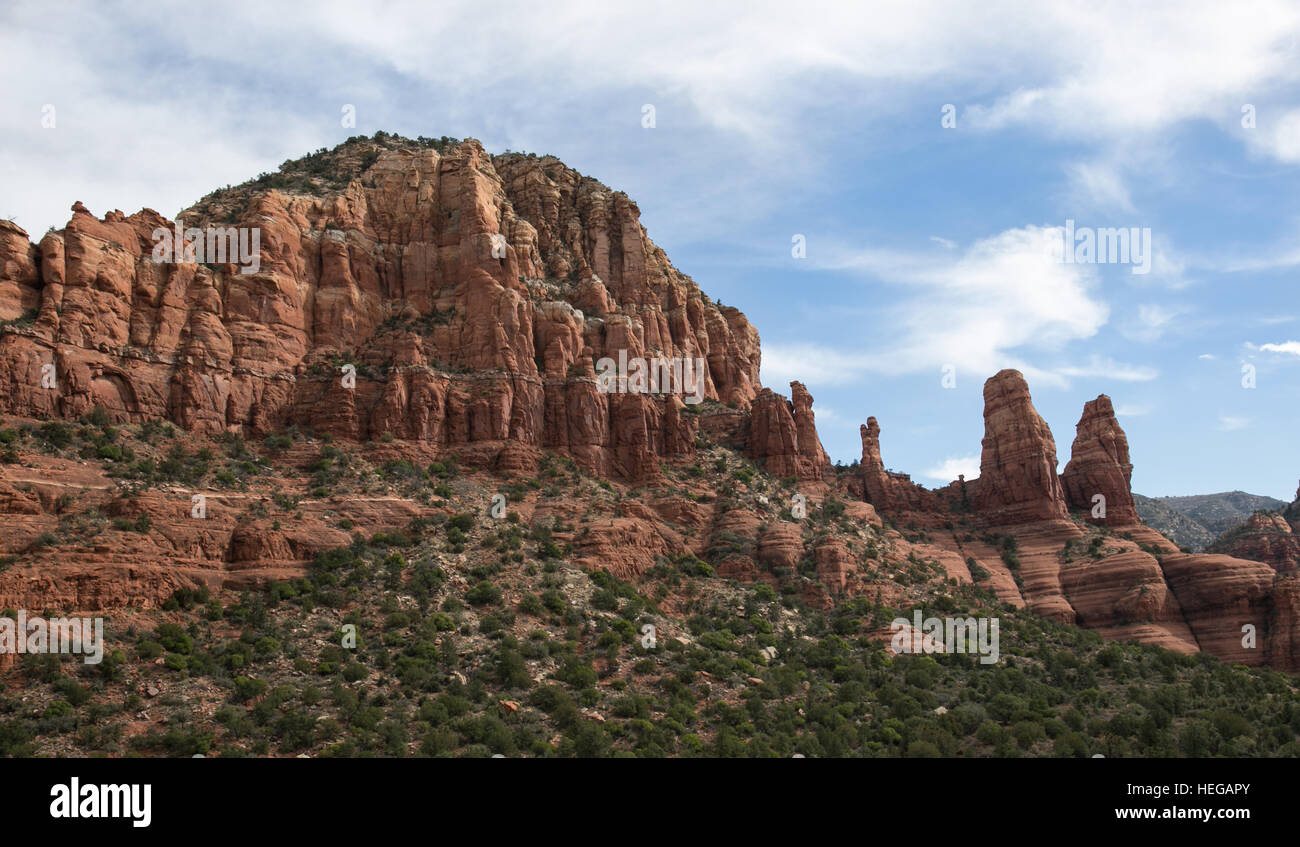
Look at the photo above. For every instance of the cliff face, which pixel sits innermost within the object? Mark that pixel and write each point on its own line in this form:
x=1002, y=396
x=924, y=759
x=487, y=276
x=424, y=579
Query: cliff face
x=783, y=435
x=1270, y=537
x=471, y=294
x=1018, y=481
x=452, y=302
x=1129, y=584
x=1099, y=465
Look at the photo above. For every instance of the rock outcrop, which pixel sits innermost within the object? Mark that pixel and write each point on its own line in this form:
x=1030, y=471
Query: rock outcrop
x=1267, y=537
x=783, y=435
x=888, y=490
x=446, y=301
x=1125, y=596
x=1220, y=595
x=469, y=294
x=1018, y=481
x=1099, y=465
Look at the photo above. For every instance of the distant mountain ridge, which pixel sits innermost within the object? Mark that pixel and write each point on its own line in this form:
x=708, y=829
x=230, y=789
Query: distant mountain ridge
x=1194, y=521
x=1268, y=536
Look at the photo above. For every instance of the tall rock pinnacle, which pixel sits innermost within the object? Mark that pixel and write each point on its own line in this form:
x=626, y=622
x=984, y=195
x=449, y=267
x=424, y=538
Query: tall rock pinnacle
x=1099, y=465
x=1018, y=481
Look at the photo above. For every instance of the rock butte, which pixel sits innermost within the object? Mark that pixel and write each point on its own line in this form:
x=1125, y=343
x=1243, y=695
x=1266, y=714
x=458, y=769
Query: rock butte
x=460, y=348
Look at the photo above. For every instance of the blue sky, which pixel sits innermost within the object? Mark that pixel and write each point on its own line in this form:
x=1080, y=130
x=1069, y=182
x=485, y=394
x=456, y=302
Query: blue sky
x=924, y=243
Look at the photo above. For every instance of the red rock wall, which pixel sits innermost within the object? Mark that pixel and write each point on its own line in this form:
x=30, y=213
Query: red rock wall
x=396, y=275
x=1018, y=481
x=1099, y=464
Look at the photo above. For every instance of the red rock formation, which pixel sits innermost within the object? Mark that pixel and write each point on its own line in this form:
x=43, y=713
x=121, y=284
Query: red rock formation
x=1221, y=594
x=1099, y=464
x=1125, y=596
x=396, y=275
x=783, y=435
x=780, y=546
x=1282, y=647
x=19, y=277
x=1018, y=481
x=887, y=490
x=810, y=445
x=733, y=542
x=626, y=546
x=834, y=565
x=1265, y=537
x=472, y=297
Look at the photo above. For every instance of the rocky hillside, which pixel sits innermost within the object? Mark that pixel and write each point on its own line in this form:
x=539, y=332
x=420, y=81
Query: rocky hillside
x=337, y=600
x=1200, y=518
x=1268, y=536
x=394, y=419
x=1172, y=524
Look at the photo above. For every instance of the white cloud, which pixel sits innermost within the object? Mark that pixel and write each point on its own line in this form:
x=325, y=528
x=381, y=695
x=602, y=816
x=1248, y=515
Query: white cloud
x=1127, y=70
x=980, y=311
x=1098, y=366
x=944, y=241
x=158, y=124
x=1151, y=321
x=1230, y=423
x=825, y=414
x=1003, y=303
x=952, y=467
x=1289, y=347
x=1132, y=411
x=1099, y=185
x=1277, y=135
x=809, y=363
x=1207, y=356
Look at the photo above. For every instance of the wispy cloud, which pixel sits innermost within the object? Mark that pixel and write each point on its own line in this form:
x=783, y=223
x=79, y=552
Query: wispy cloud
x=1099, y=185
x=1232, y=423
x=952, y=467
x=1291, y=348
x=825, y=414
x=1098, y=366
x=726, y=72
x=1005, y=302
x=1151, y=322
x=1136, y=78
x=811, y=363
x=1278, y=136
x=986, y=308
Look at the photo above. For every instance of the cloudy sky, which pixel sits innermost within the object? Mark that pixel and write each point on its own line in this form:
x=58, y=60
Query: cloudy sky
x=926, y=156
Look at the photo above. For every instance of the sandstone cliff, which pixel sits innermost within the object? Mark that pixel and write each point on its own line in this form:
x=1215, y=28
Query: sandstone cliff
x=471, y=295
x=454, y=303
x=1099, y=465
x=1018, y=480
